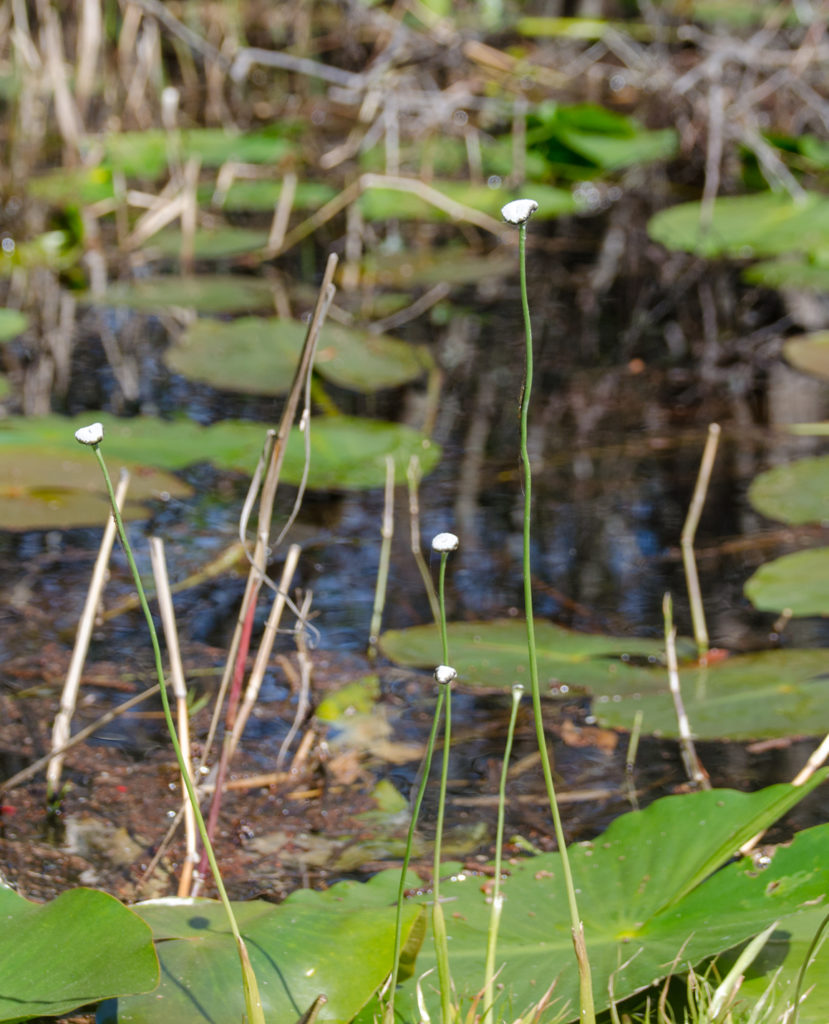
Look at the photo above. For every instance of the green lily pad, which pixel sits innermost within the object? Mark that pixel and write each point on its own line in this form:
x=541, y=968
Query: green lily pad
x=214, y=293
x=495, y=654
x=378, y=204
x=797, y=584
x=764, y=224
x=809, y=353
x=64, y=186
x=336, y=943
x=650, y=894
x=81, y=947
x=217, y=243
x=12, y=323
x=346, y=452
x=143, y=154
x=258, y=356
x=797, y=492
x=60, y=487
x=748, y=696
x=783, y=956
x=451, y=264
x=802, y=275
x=261, y=195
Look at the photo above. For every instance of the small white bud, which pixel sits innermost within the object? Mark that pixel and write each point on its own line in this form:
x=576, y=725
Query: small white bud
x=445, y=542
x=519, y=211
x=93, y=434
x=445, y=674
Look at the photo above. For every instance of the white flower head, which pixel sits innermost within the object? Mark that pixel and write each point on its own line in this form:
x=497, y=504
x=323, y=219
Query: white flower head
x=445, y=674
x=519, y=211
x=444, y=542
x=93, y=434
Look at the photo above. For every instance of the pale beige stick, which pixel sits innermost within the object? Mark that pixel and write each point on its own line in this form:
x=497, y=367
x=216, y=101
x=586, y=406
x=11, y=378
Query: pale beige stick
x=305, y=668
x=82, y=734
x=414, y=475
x=386, y=534
x=816, y=759
x=69, y=697
x=282, y=213
x=179, y=686
x=693, y=767
x=90, y=36
x=189, y=214
x=265, y=647
x=689, y=531
x=66, y=110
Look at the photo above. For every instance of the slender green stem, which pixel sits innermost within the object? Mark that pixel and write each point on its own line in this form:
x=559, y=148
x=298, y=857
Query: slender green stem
x=587, y=1014
x=254, y=1009
x=497, y=898
x=388, y=1015
x=438, y=923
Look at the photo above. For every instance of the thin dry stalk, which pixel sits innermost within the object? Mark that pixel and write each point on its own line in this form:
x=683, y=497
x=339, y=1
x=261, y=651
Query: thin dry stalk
x=282, y=214
x=69, y=696
x=263, y=655
x=689, y=531
x=276, y=454
x=90, y=37
x=693, y=767
x=386, y=534
x=305, y=670
x=189, y=214
x=168, y=621
x=66, y=110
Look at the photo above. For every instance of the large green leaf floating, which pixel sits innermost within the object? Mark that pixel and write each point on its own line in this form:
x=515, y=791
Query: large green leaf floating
x=336, y=943
x=749, y=696
x=796, y=492
x=764, y=224
x=769, y=693
x=258, y=356
x=810, y=352
x=221, y=242
x=145, y=154
x=65, y=186
x=495, y=654
x=60, y=486
x=346, y=452
x=81, y=947
x=263, y=195
x=392, y=204
x=650, y=894
x=206, y=293
x=797, y=584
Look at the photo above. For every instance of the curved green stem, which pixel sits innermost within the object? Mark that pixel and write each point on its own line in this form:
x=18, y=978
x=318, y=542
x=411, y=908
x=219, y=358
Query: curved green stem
x=252, y=1000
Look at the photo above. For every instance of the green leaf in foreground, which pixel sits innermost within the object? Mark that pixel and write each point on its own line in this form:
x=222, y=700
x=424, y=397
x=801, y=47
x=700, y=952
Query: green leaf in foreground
x=797, y=584
x=256, y=355
x=796, y=493
x=649, y=901
x=81, y=947
x=337, y=943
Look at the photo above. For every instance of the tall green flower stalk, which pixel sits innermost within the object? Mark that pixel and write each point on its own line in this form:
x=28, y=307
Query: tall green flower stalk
x=444, y=674
x=443, y=543
x=92, y=436
x=518, y=213
x=497, y=896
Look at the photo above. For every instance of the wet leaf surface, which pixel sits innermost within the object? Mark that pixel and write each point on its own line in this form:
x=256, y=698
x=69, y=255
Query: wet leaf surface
x=797, y=584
